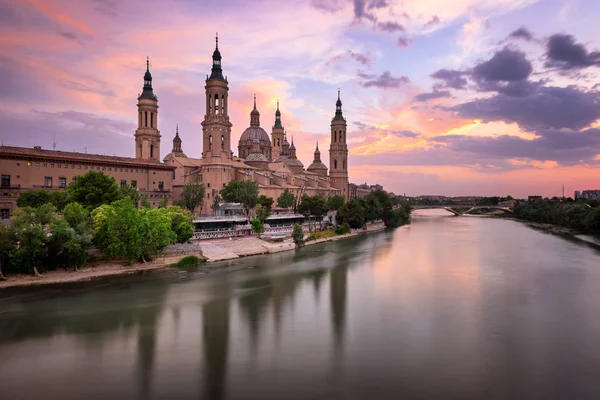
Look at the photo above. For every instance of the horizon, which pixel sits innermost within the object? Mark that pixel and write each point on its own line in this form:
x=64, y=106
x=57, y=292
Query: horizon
x=479, y=98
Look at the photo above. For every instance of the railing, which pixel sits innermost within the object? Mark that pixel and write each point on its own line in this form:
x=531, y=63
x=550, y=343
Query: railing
x=10, y=186
x=43, y=187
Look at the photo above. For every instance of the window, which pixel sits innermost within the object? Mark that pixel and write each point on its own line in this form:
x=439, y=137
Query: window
x=48, y=181
x=62, y=182
x=109, y=168
x=59, y=165
x=28, y=164
x=45, y=165
x=209, y=142
x=37, y=164
x=146, y=119
x=5, y=180
x=74, y=179
x=161, y=186
x=72, y=166
x=79, y=167
x=51, y=165
x=222, y=143
x=134, y=183
x=344, y=163
x=334, y=164
x=151, y=150
x=340, y=136
x=123, y=182
x=208, y=184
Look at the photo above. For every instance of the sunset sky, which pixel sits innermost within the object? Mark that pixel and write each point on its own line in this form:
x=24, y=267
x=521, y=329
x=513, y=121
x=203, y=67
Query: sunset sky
x=463, y=97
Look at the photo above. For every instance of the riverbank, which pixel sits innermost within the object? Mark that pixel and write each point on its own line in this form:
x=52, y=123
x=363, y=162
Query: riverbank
x=561, y=231
x=212, y=250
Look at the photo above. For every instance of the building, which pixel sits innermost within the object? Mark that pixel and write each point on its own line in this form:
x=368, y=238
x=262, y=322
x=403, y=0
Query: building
x=269, y=161
x=587, y=195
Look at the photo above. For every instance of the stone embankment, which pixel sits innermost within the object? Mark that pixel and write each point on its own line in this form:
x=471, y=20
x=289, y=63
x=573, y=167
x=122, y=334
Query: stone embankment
x=212, y=250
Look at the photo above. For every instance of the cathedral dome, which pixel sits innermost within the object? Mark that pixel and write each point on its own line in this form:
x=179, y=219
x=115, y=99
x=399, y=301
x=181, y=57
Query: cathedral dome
x=255, y=132
x=257, y=157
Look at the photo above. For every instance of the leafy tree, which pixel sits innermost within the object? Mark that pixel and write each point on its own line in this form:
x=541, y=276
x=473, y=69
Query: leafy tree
x=128, y=191
x=257, y=225
x=286, y=199
x=298, y=235
x=34, y=198
x=80, y=239
x=352, y=213
x=7, y=248
x=164, y=203
x=181, y=223
x=216, y=200
x=395, y=218
x=59, y=199
x=192, y=196
x=264, y=207
x=93, y=189
x=313, y=206
x=244, y=192
x=156, y=233
x=335, y=202
x=118, y=229
x=145, y=203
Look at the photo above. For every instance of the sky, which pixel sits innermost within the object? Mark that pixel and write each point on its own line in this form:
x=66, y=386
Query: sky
x=463, y=97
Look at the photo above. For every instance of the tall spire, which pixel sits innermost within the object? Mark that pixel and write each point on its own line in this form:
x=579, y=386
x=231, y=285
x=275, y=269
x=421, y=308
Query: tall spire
x=254, y=115
x=338, y=107
x=147, y=92
x=277, y=118
x=217, y=72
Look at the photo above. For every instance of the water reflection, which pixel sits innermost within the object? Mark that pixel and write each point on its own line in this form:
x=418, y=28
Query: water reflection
x=469, y=307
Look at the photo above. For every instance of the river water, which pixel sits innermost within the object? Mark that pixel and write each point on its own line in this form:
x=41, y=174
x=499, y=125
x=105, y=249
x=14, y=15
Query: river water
x=448, y=308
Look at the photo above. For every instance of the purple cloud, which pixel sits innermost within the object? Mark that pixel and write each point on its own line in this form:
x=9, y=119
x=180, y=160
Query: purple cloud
x=432, y=22
x=521, y=33
x=390, y=27
x=436, y=94
x=450, y=78
x=564, y=53
x=403, y=41
x=505, y=65
x=383, y=81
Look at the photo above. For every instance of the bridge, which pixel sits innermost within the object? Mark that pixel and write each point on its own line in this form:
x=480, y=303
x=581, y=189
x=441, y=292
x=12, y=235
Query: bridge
x=460, y=209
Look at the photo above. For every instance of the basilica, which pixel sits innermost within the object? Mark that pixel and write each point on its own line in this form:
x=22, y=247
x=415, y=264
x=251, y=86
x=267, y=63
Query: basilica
x=269, y=160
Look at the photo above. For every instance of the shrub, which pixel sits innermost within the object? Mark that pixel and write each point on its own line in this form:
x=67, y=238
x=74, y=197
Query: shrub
x=298, y=235
x=257, y=226
x=189, y=261
x=342, y=229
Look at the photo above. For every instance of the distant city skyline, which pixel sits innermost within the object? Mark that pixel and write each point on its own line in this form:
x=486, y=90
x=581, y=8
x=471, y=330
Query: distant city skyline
x=471, y=98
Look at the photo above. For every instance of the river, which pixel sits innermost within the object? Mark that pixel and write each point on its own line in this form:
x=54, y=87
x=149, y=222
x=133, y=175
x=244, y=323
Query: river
x=447, y=308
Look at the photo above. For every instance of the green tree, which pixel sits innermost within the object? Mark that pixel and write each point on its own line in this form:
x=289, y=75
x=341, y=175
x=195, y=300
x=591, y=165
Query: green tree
x=118, y=229
x=7, y=248
x=128, y=191
x=352, y=213
x=264, y=207
x=164, y=203
x=80, y=240
x=145, y=203
x=298, y=235
x=181, y=223
x=243, y=192
x=156, y=233
x=192, y=196
x=313, y=206
x=59, y=199
x=216, y=200
x=335, y=202
x=286, y=199
x=93, y=189
x=257, y=225
x=34, y=198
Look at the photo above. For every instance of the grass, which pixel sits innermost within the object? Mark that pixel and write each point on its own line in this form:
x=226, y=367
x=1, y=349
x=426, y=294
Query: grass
x=321, y=235
x=188, y=261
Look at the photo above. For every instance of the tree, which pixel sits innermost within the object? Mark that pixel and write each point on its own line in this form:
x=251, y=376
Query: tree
x=128, y=191
x=313, y=206
x=80, y=240
x=335, y=202
x=244, y=192
x=216, y=201
x=257, y=225
x=181, y=223
x=145, y=203
x=351, y=213
x=298, y=235
x=34, y=198
x=164, y=203
x=118, y=229
x=155, y=231
x=7, y=247
x=59, y=199
x=264, y=207
x=93, y=189
x=192, y=195
x=286, y=199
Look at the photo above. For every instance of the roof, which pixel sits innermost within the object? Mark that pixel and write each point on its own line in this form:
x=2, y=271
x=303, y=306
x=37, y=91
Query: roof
x=188, y=162
x=84, y=158
x=317, y=166
x=255, y=132
x=257, y=157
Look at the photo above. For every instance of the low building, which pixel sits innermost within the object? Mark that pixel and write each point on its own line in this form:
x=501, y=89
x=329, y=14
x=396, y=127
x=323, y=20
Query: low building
x=588, y=195
x=24, y=169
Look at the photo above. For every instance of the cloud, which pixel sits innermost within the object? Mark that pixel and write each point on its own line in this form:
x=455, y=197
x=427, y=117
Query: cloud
x=505, y=65
x=521, y=33
x=361, y=58
x=406, y=134
x=383, y=81
x=432, y=22
x=391, y=27
x=403, y=41
x=451, y=78
x=564, y=53
x=547, y=108
x=436, y=94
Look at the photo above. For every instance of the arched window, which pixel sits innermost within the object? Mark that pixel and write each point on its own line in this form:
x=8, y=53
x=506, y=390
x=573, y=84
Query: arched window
x=216, y=104
x=223, y=106
x=340, y=136
x=145, y=119
x=151, y=120
x=344, y=164
x=140, y=119
x=222, y=143
x=209, y=142
x=334, y=136
x=210, y=104
x=278, y=143
x=151, y=150
x=334, y=164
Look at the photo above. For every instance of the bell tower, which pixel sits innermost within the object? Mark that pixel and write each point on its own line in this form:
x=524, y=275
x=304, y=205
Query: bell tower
x=338, y=151
x=147, y=135
x=216, y=128
x=277, y=134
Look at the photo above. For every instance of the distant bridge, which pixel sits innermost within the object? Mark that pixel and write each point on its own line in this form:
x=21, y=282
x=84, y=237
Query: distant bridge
x=460, y=209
